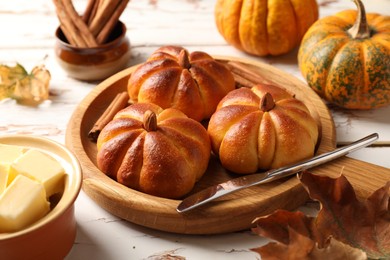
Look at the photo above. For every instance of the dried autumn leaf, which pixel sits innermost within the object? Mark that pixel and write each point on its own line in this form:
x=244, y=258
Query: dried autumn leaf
x=8, y=77
x=343, y=227
x=294, y=234
x=291, y=230
x=360, y=224
x=27, y=88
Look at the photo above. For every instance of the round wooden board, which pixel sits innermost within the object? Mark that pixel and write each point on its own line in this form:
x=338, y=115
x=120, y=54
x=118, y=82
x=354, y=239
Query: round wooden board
x=231, y=213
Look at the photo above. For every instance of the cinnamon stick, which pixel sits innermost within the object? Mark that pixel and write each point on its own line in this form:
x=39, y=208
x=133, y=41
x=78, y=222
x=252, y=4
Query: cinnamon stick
x=107, y=28
x=96, y=24
x=241, y=71
x=88, y=10
x=104, y=12
x=68, y=35
x=120, y=101
x=93, y=12
x=242, y=81
x=80, y=24
x=69, y=29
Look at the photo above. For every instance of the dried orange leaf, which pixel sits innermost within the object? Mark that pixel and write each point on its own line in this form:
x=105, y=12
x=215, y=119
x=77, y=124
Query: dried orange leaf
x=274, y=226
x=292, y=232
x=26, y=88
x=345, y=227
x=337, y=250
x=360, y=224
x=295, y=238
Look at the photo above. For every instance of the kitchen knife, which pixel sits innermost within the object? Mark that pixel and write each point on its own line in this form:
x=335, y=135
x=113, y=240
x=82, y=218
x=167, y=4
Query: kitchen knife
x=222, y=189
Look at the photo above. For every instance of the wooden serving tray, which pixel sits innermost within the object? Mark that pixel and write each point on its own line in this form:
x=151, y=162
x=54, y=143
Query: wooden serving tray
x=231, y=213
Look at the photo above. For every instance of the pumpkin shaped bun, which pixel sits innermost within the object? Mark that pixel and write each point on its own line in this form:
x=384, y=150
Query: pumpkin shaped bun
x=193, y=82
x=261, y=128
x=156, y=151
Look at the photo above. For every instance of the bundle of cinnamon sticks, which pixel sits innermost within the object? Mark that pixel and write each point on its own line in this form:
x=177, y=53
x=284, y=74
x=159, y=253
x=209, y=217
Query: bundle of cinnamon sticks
x=94, y=26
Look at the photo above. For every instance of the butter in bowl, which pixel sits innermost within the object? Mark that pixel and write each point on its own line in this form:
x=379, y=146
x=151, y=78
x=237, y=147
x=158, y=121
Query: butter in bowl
x=39, y=183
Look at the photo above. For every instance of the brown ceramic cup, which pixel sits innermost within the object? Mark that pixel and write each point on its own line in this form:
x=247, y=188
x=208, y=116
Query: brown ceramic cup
x=97, y=63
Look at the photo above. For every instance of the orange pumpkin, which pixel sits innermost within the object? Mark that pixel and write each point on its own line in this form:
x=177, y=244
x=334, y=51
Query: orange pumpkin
x=345, y=58
x=261, y=128
x=263, y=27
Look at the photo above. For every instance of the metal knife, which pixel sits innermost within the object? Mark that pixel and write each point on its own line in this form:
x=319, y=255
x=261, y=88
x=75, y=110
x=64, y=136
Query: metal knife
x=222, y=189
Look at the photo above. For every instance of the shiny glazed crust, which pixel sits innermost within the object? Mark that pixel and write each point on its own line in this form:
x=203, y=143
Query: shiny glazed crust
x=166, y=162
x=248, y=139
x=195, y=88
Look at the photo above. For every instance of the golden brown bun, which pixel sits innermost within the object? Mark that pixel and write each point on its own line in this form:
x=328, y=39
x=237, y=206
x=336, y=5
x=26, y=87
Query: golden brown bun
x=165, y=162
x=247, y=138
x=168, y=79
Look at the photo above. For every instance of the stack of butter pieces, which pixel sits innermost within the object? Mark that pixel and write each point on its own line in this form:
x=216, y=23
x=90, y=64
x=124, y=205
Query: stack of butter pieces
x=28, y=177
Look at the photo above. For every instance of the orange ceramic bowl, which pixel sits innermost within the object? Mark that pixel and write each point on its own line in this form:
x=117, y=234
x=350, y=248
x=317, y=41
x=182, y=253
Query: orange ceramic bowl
x=52, y=236
x=98, y=63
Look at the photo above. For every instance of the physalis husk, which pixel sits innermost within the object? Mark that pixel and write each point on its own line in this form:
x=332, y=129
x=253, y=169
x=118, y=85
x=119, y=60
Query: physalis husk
x=27, y=88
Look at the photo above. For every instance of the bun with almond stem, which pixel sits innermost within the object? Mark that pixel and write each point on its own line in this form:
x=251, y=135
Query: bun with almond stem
x=191, y=82
x=261, y=128
x=156, y=151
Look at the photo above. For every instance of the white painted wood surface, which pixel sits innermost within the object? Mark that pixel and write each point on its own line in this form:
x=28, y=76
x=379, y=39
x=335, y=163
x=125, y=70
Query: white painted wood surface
x=27, y=36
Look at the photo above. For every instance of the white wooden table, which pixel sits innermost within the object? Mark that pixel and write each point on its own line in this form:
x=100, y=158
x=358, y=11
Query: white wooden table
x=27, y=36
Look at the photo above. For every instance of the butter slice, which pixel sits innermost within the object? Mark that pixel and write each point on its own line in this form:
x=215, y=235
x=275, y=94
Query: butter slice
x=9, y=153
x=42, y=168
x=21, y=204
x=4, y=168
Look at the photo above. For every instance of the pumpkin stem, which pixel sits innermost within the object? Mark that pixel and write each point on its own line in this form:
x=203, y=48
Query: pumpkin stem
x=184, y=60
x=150, y=121
x=360, y=28
x=267, y=102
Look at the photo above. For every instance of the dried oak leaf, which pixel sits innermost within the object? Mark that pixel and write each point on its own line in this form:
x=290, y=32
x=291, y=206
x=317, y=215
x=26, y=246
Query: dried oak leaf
x=292, y=232
x=343, y=228
x=27, y=88
x=295, y=239
x=360, y=224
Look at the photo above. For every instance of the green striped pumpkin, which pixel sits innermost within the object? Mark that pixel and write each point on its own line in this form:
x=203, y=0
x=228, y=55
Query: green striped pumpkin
x=345, y=58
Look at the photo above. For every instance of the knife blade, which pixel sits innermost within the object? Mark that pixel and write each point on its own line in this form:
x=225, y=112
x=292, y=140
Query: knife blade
x=222, y=189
